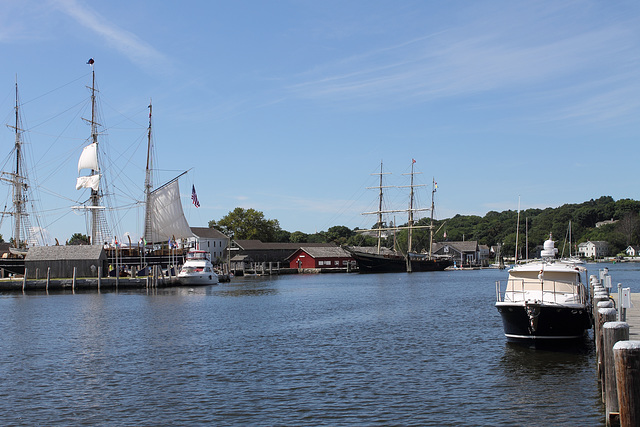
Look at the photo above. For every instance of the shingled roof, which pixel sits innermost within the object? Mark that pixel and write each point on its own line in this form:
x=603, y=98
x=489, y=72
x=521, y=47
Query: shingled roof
x=465, y=246
x=249, y=245
x=324, y=252
x=207, y=233
x=67, y=252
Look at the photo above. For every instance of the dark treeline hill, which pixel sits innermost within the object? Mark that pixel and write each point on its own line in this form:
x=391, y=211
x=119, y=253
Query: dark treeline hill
x=492, y=229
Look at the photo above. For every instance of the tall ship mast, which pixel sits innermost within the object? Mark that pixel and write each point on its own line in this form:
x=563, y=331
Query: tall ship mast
x=393, y=261
x=164, y=218
x=23, y=234
x=148, y=182
x=97, y=227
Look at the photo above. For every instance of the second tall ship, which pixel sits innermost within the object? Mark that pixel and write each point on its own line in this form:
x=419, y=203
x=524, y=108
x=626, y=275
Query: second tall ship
x=384, y=260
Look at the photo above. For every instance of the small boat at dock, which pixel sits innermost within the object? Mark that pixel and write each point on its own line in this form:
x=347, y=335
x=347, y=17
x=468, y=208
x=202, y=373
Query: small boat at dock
x=198, y=269
x=545, y=299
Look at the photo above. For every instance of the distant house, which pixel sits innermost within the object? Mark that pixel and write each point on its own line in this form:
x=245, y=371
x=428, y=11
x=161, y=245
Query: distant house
x=633, y=250
x=211, y=240
x=595, y=249
x=606, y=222
x=462, y=253
x=320, y=257
x=484, y=252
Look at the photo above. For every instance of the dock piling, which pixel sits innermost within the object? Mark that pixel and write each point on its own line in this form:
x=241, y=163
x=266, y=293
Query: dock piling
x=613, y=332
x=627, y=365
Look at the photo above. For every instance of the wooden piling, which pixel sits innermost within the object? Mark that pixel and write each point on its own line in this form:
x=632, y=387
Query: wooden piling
x=73, y=283
x=48, y=277
x=612, y=333
x=99, y=277
x=604, y=315
x=627, y=365
x=24, y=279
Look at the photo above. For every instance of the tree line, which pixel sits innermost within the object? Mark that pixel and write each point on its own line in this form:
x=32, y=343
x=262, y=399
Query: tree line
x=494, y=228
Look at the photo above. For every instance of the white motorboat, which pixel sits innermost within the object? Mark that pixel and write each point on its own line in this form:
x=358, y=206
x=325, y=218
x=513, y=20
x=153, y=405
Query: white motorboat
x=545, y=299
x=198, y=269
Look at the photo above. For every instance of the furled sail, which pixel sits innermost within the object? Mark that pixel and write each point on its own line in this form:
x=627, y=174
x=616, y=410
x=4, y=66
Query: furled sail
x=167, y=217
x=91, y=181
x=89, y=158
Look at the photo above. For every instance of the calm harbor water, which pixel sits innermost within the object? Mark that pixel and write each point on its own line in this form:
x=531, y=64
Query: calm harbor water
x=387, y=349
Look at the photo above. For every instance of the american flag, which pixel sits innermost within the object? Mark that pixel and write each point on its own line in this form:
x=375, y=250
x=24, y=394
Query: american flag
x=194, y=197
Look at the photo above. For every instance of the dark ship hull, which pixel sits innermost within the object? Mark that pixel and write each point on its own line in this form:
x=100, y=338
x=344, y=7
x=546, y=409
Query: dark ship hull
x=379, y=263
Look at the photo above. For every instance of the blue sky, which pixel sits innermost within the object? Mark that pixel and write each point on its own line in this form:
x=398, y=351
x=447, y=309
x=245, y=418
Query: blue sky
x=287, y=107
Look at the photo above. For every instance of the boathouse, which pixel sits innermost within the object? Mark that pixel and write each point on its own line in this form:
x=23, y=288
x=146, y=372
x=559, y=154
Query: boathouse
x=320, y=257
x=62, y=259
x=462, y=253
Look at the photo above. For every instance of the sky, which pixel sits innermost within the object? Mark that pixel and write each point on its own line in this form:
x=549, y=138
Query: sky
x=290, y=107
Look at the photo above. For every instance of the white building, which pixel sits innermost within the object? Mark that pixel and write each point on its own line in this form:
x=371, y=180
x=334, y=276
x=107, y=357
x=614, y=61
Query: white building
x=633, y=250
x=211, y=240
x=595, y=249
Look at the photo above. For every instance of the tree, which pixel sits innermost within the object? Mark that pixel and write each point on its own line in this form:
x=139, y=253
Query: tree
x=79, y=239
x=298, y=237
x=248, y=224
x=627, y=226
x=339, y=234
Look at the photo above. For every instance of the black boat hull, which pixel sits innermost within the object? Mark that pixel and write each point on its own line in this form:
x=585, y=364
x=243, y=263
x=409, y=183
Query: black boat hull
x=543, y=322
x=373, y=263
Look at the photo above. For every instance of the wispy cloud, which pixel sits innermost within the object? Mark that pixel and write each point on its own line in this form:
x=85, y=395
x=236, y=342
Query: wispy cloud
x=137, y=50
x=481, y=58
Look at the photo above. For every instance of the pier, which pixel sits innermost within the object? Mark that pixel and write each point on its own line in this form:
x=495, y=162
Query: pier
x=616, y=319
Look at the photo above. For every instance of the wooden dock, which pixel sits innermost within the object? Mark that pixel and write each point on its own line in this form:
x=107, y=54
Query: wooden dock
x=617, y=343
x=632, y=315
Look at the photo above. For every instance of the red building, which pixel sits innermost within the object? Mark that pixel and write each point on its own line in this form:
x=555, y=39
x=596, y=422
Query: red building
x=319, y=257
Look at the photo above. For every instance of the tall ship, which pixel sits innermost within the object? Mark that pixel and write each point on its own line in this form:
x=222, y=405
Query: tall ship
x=545, y=300
x=383, y=260
x=25, y=234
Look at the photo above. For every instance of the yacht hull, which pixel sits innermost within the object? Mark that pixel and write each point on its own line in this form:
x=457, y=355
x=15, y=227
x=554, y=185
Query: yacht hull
x=198, y=279
x=524, y=322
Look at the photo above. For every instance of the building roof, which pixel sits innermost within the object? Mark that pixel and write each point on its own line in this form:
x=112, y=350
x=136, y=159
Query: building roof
x=323, y=252
x=465, y=246
x=67, y=252
x=208, y=233
x=258, y=245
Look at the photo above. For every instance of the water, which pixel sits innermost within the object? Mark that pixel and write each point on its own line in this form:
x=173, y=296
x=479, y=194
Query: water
x=389, y=349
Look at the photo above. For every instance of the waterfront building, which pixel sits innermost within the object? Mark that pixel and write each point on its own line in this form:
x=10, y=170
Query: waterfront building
x=593, y=249
x=210, y=240
x=320, y=257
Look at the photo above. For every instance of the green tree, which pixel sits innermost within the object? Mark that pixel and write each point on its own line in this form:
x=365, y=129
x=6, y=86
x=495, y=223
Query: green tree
x=78, y=239
x=339, y=234
x=298, y=237
x=248, y=224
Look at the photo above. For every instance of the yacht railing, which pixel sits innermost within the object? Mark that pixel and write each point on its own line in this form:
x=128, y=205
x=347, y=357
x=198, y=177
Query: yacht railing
x=521, y=287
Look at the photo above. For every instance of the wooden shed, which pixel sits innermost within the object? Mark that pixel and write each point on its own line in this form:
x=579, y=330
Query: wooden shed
x=62, y=259
x=320, y=257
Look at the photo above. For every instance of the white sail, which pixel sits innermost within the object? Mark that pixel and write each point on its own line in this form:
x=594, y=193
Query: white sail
x=89, y=158
x=91, y=181
x=167, y=217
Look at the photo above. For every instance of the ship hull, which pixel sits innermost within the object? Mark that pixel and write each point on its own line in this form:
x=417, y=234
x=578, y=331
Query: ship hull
x=374, y=263
x=528, y=322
